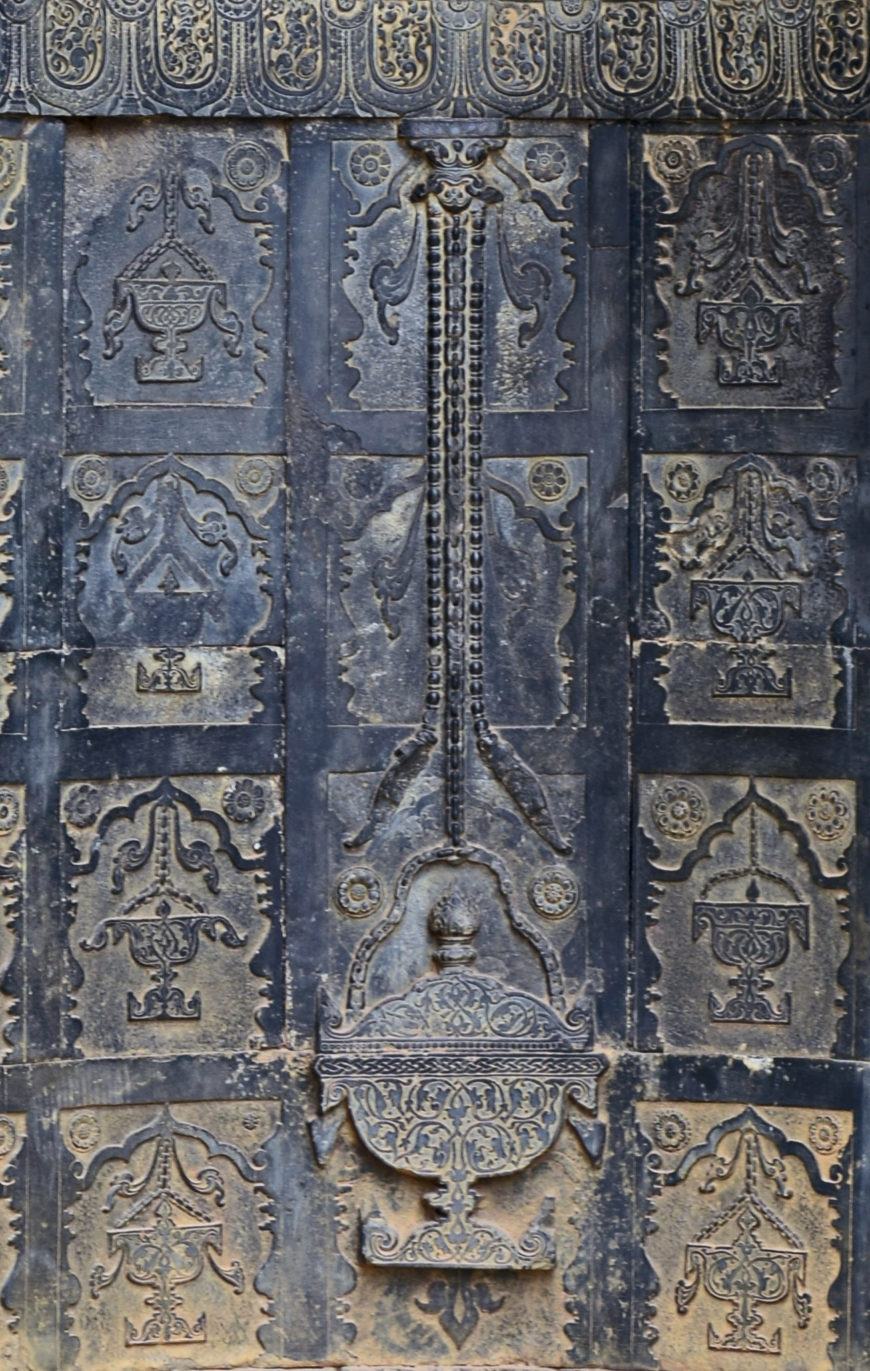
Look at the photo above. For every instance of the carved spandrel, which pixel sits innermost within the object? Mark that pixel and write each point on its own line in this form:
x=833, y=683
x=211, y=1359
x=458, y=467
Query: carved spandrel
x=173, y=899
x=745, y=577
x=748, y=911
x=169, y=1231
x=745, y=1205
x=548, y=892
x=535, y=274
x=174, y=558
x=753, y=253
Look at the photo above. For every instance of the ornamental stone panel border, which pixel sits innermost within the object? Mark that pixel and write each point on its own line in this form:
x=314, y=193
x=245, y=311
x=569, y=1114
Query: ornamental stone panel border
x=788, y=59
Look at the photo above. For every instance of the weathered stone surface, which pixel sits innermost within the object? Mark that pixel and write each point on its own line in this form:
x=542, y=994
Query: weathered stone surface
x=433, y=684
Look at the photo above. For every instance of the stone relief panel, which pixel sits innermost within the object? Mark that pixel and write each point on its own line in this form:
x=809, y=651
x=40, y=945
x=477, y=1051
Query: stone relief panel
x=11, y=475
x=11, y=581
x=10, y=685
x=545, y=891
x=534, y=268
x=745, y=1216
x=364, y=186
x=12, y=668
x=748, y=911
x=753, y=241
x=173, y=908
x=534, y=514
x=174, y=264
x=442, y=1079
x=442, y=625
x=174, y=557
x=745, y=586
x=168, y=1232
x=13, y=274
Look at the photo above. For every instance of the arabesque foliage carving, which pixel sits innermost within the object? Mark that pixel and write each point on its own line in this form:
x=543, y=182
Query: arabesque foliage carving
x=589, y=57
x=170, y=1226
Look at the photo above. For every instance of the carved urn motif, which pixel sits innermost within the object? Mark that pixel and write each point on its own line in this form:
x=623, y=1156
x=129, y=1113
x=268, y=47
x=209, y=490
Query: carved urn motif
x=460, y=1078
x=169, y=288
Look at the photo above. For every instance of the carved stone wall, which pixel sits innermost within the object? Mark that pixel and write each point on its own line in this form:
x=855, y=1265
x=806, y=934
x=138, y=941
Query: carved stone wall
x=434, y=684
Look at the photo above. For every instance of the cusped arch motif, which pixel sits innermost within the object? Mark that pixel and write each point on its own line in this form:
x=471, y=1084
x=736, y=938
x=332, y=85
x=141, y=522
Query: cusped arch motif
x=182, y=555
x=170, y=1222
x=749, y=918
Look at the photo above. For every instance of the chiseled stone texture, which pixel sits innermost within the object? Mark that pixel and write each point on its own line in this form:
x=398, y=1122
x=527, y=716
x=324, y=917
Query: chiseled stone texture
x=433, y=684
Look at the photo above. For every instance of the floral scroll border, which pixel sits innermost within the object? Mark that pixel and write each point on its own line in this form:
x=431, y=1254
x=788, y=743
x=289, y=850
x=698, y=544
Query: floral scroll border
x=651, y=58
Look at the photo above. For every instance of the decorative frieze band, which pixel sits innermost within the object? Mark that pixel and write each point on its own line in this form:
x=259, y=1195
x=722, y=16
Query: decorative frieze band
x=659, y=58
